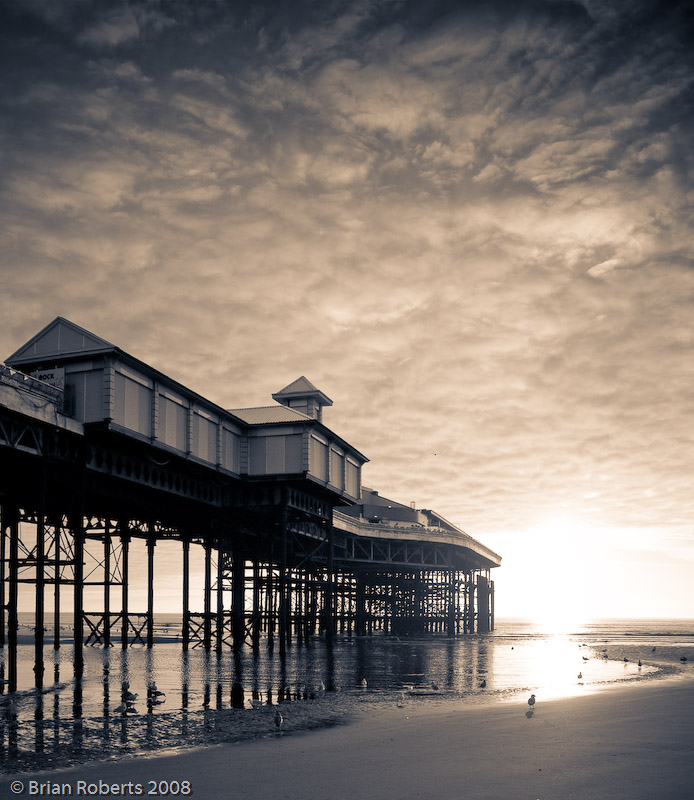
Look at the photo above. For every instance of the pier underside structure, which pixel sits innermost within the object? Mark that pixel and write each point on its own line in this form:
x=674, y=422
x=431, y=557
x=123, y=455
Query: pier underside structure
x=270, y=497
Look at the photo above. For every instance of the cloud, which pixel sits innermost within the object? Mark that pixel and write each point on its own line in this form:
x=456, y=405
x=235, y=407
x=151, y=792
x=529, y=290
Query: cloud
x=472, y=233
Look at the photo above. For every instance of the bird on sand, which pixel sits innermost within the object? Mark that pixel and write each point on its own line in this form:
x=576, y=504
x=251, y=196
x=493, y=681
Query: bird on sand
x=364, y=683
x=279, y=719
x=434, y=686
x=580, y=675
x=531, y=701
x=483, y=685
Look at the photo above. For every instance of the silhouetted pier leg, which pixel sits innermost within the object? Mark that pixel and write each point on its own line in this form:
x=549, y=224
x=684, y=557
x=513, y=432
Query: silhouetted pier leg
x=40, y=598
x=491, y=605
x=219, y=638
x=330, y=588
x=2, y=575
x=450, y=604
x=238, y=589
x=269, y=604
x=107, y=584
x=482, y=604
x=185, y=633
x=12, y=618
x=257, y=610
x=207, y=620
x=57, y=566
x=125, y=552
x=77, y=528
x=360, y=610
x=151, y=543
x=283, y=593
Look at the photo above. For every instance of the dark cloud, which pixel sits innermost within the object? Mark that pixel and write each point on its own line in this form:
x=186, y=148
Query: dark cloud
x=470, y=227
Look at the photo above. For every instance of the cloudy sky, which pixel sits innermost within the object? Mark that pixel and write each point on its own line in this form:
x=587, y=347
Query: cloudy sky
x=469, y=224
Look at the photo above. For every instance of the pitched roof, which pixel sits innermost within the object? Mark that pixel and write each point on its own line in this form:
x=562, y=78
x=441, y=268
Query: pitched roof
x=302, y=387
x=59, y=338
x=266, y=414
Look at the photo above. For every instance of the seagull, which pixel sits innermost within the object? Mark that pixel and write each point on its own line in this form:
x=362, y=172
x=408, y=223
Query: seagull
x=585, y=659
x=434, y=686
x=531, y=700
x=483, y=685
x=364, y=684
x=640, y=662
x=580, y=675
x=257, y=704
x=401, y=700
x=126, y=694
x=684, y=658
x=154, y=691
x=279, y=719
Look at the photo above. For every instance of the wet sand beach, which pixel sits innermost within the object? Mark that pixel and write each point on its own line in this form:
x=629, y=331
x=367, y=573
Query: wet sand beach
x=620, y=742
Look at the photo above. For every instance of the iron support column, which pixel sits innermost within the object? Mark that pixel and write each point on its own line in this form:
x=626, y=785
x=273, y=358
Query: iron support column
x=220, y=602
x=77, y=528
x=3, y=519
x=238, y=587
x=330, y=587
x=57, y=527
x=107, y=584
x=12, y=618
x=360, y=605
x=207, y=621
x=151, y=543
x=185, y=633
x=125, y=552
x=40, y=597
x=284, y=633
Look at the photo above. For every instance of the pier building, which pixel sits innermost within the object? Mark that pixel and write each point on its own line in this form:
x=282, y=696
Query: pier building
x=98, y=448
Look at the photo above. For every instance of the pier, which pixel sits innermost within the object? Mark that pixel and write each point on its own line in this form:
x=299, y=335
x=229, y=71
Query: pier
x=98, y=449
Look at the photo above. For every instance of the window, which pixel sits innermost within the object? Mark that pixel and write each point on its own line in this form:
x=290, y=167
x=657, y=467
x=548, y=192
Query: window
x=318, y=459
x=173, y=422
x=132, y=405
x=204, y=437
x=337, y=469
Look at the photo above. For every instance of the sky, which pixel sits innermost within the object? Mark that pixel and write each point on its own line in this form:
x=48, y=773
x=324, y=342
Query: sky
x=469, y=224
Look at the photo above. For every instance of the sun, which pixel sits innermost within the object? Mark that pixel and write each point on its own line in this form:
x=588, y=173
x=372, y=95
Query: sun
x=563, y=567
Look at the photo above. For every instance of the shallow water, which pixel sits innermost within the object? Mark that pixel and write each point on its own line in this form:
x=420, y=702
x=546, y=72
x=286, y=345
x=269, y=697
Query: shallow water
x=208, y=699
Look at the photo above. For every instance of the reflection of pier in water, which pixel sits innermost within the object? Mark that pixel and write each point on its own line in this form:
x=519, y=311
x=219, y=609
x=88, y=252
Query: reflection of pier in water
x=99, y=451
x=213, y=698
